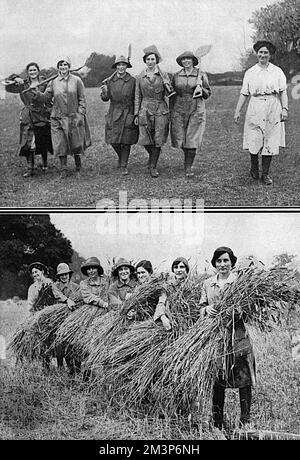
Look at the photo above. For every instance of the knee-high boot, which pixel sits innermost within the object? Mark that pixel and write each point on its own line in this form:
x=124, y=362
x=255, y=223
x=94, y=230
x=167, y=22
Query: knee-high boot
x=266, y=162
x=190, y=156
x=117, y=149
x=245, y=403
x=153, y=161
x=218, y=405
x=125, y=151
x=254, y=171
x=77, y=159
x=63, y=166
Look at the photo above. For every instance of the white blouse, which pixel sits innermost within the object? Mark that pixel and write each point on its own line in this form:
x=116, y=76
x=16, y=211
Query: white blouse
x=260, y=81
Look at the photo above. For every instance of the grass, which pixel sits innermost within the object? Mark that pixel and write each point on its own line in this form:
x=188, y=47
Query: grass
x=39, y=405
x=221, y=169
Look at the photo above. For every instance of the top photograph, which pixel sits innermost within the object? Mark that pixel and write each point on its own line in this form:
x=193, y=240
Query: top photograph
x=150, y=104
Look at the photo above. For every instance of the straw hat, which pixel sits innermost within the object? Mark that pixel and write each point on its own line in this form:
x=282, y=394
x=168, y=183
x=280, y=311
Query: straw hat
x=151, y=50
x=92, y=262
x=39, y=266
x=121, y=59
x=65, y=59
x=122, y=263
x=187, y=54
x=63, y=269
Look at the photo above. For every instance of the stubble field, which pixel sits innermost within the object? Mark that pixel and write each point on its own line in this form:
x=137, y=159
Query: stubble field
x=39, y=405
x=221, y=169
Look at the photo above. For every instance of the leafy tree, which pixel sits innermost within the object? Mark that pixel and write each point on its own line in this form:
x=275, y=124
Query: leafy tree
x=100, y=68
x=23, y=240
x=279, y=23
x=283, y=260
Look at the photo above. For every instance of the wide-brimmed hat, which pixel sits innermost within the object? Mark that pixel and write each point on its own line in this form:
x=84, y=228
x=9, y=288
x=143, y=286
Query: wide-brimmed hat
x=39, y=266
x=259, y=44
x=63, y=58
x=220, y=251
x=188, y=54
x=122, y=263
x=121, y=59
x=92, y=262
x=177, y=261
x=63, y=269
x=152, y=49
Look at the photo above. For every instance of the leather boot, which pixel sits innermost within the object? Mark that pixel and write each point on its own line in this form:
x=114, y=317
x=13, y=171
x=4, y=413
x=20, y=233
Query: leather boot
x=153, y=161
x=124, y=159
x=266, y=161
x=77, y=159
x=218, y=405
x=254, y=171
x=63, y=166
x=190, y=156
x=245, y=403
x=117, y=149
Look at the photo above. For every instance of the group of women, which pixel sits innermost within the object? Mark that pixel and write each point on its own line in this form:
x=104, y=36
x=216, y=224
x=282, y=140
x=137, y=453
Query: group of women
x=144, y=109
x=111, y=293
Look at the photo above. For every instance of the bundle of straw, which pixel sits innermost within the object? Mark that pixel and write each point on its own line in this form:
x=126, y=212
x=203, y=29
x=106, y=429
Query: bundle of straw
x=72, y=332
x=35, y=337
x=176, y=369
x=191, y=364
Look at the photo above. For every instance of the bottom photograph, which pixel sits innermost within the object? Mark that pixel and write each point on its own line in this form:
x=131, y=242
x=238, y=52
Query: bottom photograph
x=150, y=326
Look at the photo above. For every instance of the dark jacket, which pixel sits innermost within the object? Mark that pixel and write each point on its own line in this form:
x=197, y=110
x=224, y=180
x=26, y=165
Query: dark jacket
x=119, y=126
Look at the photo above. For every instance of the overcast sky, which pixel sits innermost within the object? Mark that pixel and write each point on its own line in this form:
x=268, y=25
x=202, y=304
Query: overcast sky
x=161, y=239
x=42, y=30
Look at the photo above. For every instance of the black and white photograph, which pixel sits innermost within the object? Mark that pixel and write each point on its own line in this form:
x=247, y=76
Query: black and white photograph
x=149, y=223
x=173, y=326
x=161, y=98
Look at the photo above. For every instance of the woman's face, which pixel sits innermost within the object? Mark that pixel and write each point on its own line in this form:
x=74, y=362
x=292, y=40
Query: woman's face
x=180, y=271
x=124, y=273
x=223, y=264
x=92, y=272
x=32, y=71
x=121, y=68
x=37, y=274
x=142, y=274
x=64, y=278
x=63, y=67
x=263, y=55
x=151, y=61
x=187, y=62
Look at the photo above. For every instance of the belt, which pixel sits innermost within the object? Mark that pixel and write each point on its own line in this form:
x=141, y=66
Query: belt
x=265, y=96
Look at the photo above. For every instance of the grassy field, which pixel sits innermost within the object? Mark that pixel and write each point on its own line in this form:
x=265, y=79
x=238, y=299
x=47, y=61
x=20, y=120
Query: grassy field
x=35, y=405
x=221, y=170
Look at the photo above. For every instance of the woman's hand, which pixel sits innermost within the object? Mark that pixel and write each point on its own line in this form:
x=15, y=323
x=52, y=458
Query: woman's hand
x=19, y=81
x=166, y=323
x=284, y=114
x=136, y=120
x=237, y=117
x=211, y=311
x=71, y=304
x=103, y=90
x=198, y=92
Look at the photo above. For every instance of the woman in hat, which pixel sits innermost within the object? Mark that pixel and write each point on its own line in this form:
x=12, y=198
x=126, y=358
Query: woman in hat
x=143, y=272
x=65, y=285
x=74, y=298
x=188, y=114
x=69, y=128
x=94, y=287
x=264, y=131
x=240, y=367
x=124, y=283
x=120, y=130
x=180, y=268
x=35, y=136
x=150, y=108
x=43, y=291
